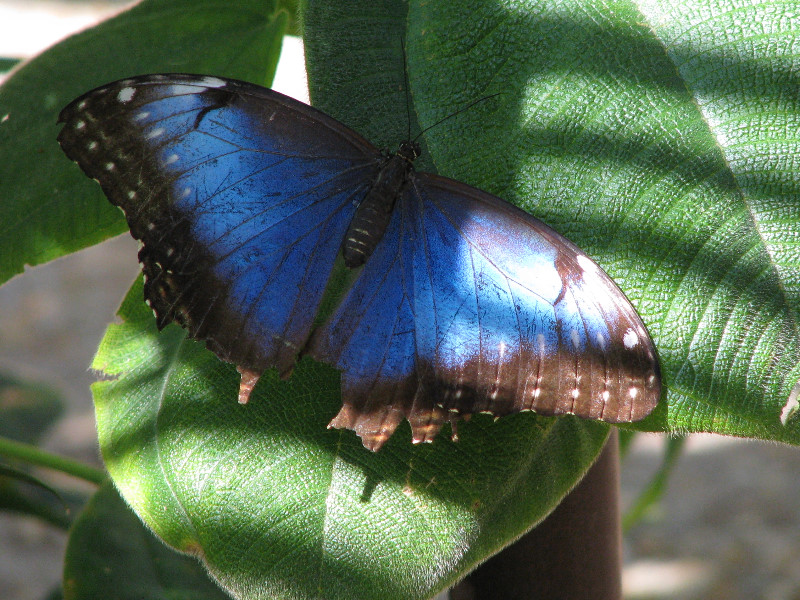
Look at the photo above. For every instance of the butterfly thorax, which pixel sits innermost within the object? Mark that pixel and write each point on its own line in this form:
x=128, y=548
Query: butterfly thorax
x=372, y=216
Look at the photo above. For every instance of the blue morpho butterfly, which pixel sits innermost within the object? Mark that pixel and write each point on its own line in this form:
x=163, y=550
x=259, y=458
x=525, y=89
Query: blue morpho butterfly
x=460, y=303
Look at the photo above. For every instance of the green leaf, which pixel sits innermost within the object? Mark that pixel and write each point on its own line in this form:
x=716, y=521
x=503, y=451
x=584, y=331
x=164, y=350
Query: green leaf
x=6, y=64
x=27, y=410
x=665, y=153
x=111, y=555
x=292, y=10
x=277, y=505
x=44, y=217
x=735, y=296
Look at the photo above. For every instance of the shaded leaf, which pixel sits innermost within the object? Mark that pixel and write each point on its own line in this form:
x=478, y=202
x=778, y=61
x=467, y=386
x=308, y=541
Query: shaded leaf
x=7, y=471
x=6, y=64
x=110, y=554
x=42, y=218
x=26, y=411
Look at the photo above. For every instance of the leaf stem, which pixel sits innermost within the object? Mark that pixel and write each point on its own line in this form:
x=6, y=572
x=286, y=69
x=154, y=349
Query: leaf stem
x=36, y=456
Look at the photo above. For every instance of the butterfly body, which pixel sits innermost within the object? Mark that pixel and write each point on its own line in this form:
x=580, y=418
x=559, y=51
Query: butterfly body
x=374, y=211
x=461, y=303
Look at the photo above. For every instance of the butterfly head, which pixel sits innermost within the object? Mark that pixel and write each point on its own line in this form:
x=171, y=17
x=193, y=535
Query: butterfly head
x=409, y=151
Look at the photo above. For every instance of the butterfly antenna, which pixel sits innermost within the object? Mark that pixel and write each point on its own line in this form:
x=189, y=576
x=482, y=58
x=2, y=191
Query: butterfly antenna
x=407, y=88
x=458, y=112
x=408, y=99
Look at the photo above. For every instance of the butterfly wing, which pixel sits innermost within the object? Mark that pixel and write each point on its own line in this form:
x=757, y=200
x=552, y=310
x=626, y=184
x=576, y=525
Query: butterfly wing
x=470, y=305
x=240, y=196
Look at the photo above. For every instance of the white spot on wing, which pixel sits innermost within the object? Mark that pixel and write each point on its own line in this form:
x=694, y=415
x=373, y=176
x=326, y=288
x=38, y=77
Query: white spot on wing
x=154, y=133
x=141, y=115
x=181, y=89
x=126, y=94
x=80, y=124
x=601, y=341
x=587, y=264
x=575, y=337
x=213, y=82
x=172, y=158
x=630, y=339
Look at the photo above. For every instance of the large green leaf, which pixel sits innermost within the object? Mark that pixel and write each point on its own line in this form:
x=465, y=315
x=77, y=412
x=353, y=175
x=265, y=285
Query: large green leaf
x=278, y=506
x=661, y=138
x=47, y=208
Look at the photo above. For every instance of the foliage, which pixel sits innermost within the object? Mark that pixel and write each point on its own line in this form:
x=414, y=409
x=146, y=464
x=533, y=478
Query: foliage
x=660, y=137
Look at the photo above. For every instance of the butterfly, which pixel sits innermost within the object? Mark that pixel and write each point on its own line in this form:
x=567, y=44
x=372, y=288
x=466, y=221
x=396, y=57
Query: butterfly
x=252, y=208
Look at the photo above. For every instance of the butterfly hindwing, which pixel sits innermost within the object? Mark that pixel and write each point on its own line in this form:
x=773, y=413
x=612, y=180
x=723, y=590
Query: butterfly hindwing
x=471, y=305
x=241, y=197
x=547, y=330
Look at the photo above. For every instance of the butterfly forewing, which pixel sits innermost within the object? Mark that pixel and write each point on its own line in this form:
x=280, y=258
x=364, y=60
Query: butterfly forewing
x=242, y=199
x=240, y=196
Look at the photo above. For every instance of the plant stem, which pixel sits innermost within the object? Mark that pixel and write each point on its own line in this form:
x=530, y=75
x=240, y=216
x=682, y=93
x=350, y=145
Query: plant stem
x=36, y=456
x=574, y=553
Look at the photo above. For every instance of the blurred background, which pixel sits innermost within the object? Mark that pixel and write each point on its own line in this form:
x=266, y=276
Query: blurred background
x=727, y=527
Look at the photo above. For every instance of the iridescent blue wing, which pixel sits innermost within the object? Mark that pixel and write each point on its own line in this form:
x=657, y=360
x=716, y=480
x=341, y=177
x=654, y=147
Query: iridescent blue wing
x=470, y=305
x=240, y=196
